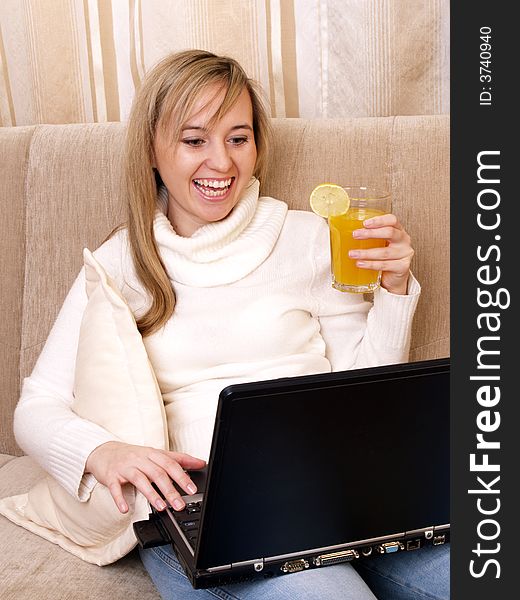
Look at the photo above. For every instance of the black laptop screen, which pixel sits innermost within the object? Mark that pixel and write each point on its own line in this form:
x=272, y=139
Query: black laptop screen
x=326, y=464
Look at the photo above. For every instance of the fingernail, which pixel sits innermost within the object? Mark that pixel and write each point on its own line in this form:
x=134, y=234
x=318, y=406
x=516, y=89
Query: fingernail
x=361, y=263
x=123, y=507
x=354, y=253
x=191, y=488
x=357, y=233
x=178, y=504
x=160, y=505
x=368, y=222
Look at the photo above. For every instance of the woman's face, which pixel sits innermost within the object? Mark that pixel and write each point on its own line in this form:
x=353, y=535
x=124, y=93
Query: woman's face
x=206, y=170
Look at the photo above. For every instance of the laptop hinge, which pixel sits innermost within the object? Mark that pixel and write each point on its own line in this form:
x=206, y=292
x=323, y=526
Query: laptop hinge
x=257, y=564
x=426, y=531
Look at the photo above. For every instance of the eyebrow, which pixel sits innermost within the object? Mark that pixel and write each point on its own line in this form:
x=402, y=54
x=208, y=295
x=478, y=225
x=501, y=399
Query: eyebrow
x=201, y=128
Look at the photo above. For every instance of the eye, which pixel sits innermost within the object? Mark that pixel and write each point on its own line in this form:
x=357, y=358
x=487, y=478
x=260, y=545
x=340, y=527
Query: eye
x=193, y=142
x=238, y=140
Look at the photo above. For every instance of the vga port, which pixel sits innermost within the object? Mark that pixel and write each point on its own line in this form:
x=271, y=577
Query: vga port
x=389, y=547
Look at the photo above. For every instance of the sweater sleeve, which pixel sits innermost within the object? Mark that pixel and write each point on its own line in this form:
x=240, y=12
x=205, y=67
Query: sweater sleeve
x=45, y=426
x=359, y=333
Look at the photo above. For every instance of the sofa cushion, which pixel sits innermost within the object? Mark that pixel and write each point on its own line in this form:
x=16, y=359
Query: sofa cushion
x=114, y=382
x=14, y=158
x=31, y=567
x=5, y=458
x=116, y=388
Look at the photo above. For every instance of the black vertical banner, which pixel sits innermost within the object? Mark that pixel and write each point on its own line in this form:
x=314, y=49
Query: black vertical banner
x=485, y=424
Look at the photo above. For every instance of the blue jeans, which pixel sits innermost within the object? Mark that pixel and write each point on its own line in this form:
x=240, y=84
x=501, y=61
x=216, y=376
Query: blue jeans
x=423, y=574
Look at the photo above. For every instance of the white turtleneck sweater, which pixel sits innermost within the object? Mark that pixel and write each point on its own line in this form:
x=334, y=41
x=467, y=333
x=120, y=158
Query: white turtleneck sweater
x=253, y=301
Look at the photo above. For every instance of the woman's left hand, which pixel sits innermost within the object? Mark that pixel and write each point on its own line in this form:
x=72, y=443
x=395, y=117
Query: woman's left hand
x=393, y=259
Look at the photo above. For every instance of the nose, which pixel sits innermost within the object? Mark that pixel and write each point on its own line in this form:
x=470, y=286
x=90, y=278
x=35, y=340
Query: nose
x=219, y=158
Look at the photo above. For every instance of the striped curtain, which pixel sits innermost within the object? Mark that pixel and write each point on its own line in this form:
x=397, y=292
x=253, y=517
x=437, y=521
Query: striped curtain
x=73, y=61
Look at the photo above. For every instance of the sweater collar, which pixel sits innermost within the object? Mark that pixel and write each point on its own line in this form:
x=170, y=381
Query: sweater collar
x=225, y=251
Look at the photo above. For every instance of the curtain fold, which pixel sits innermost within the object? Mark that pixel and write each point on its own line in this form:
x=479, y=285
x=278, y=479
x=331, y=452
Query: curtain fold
x=72, y=61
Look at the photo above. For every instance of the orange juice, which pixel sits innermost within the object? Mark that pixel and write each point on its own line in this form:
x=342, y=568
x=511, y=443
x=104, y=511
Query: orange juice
x=346, y=276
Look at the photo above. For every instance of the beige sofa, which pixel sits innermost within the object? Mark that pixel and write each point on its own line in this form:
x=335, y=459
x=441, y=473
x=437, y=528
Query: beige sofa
x=59, y=192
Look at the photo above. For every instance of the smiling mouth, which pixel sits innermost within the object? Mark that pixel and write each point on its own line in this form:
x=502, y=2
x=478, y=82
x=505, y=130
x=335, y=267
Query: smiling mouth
x=213, y=188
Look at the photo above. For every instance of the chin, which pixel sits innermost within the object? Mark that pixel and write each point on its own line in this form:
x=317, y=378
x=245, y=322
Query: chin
x=216, y=217
x=217, y=213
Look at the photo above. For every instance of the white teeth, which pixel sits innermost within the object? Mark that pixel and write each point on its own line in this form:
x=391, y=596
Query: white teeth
x=212, y=183
x=213, y=188
x=215, y=193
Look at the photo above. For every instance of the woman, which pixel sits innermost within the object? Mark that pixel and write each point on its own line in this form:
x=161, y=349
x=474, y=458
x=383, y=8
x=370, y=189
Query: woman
x=226, y=287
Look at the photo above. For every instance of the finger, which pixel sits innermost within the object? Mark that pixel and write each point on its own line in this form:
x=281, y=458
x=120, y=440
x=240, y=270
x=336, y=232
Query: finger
x=388, y=233
x=382, y=221
x=175, y=471
x=396, y=252
x=391, y=266
x=187, y=461
x=143, y=484
x=162, y=480
x=173, y=497
x=117, y=494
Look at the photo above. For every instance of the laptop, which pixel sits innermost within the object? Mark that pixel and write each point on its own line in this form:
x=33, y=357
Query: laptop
x=310, y=471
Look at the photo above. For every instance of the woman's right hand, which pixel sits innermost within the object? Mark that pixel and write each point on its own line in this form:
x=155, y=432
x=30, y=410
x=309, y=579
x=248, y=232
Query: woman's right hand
x=115, y=463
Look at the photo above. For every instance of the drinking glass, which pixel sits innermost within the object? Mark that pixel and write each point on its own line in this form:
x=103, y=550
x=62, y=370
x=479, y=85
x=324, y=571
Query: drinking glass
x=365, y=202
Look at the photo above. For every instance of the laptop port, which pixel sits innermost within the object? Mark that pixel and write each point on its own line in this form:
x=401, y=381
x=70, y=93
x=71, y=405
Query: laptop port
x=413, y=544
x=335, y=557
x=367, y=551
x=389, y=547
x=439, y=539
x=293, y=566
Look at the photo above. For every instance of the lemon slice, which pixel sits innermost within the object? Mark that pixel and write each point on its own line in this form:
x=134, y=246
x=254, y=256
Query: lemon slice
x=329, y=200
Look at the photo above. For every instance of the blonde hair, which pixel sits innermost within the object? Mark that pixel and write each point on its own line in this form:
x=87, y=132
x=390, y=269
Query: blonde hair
x=165, y=99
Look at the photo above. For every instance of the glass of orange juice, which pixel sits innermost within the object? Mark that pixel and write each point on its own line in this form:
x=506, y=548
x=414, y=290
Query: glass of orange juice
x=365, y=202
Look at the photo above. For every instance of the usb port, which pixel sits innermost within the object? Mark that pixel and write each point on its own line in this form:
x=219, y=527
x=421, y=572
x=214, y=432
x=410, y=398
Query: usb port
x=439, y=539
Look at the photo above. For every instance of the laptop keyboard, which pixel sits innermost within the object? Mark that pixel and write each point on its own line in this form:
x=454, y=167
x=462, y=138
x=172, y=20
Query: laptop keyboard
x=188, y=520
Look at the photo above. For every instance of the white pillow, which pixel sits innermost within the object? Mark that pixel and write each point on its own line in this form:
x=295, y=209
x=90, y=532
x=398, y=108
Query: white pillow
x=116, y=388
